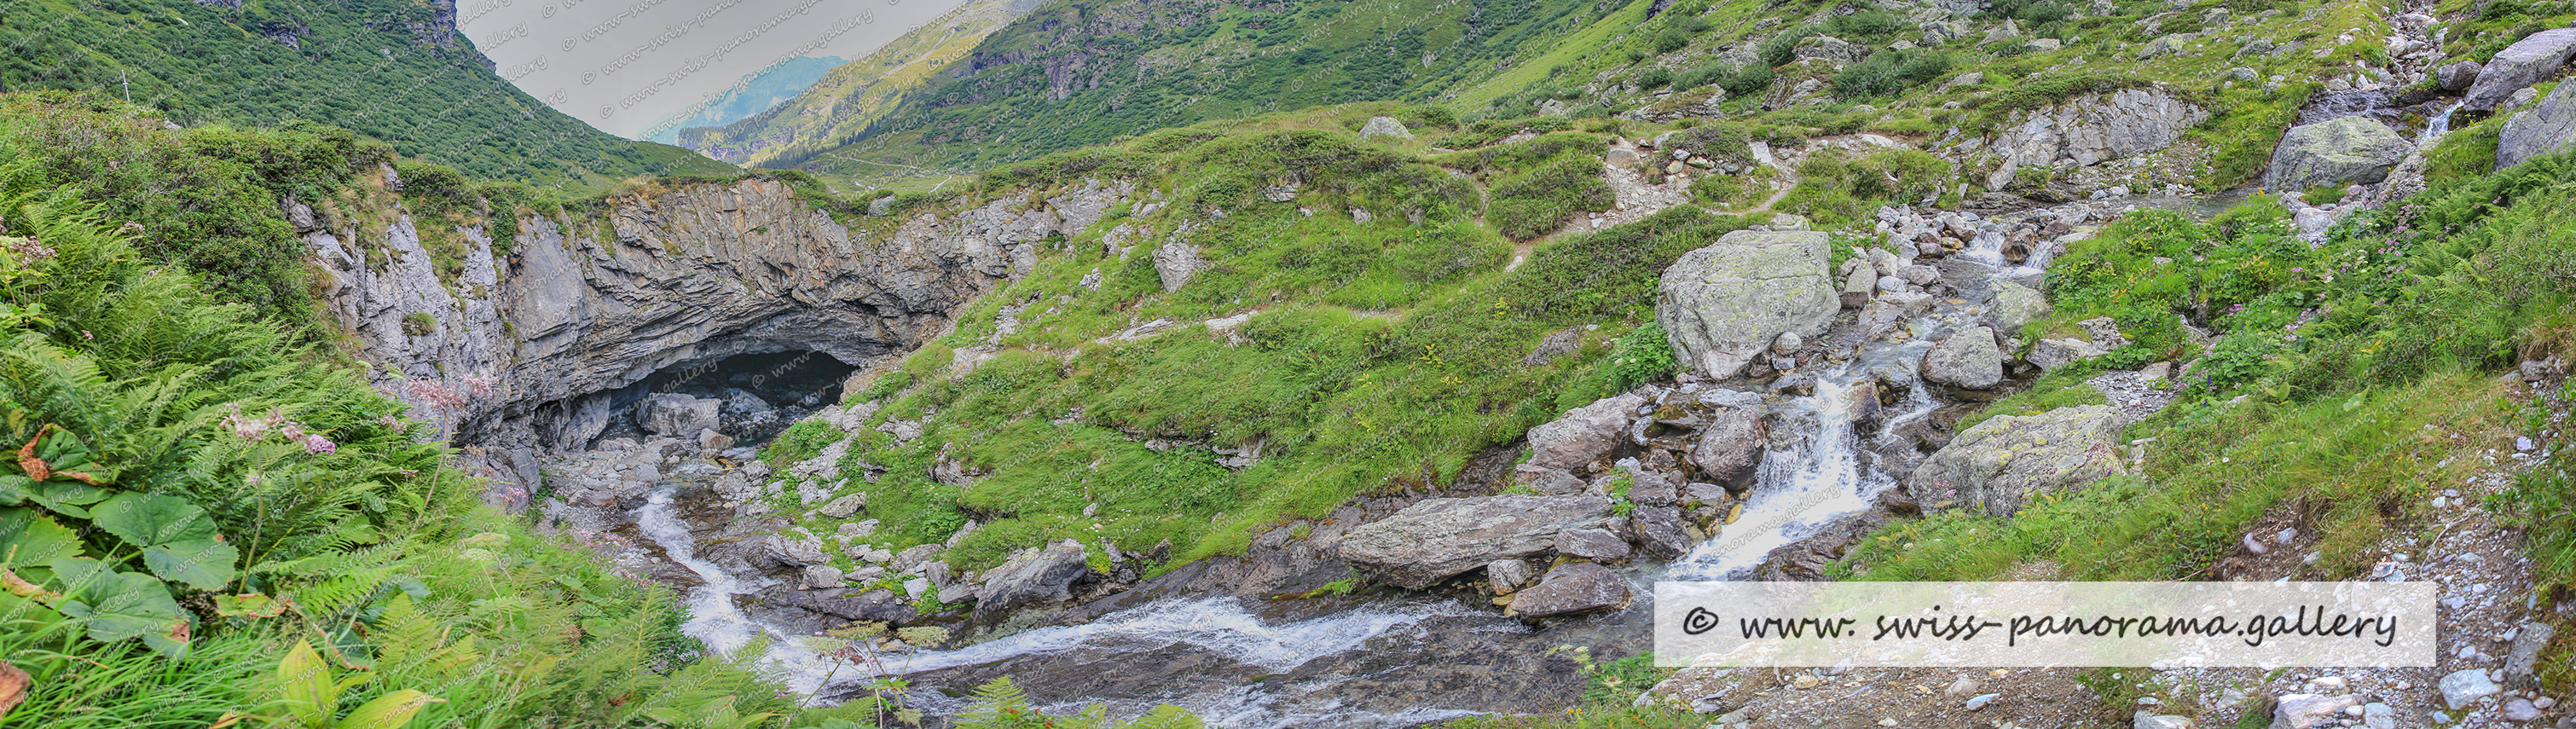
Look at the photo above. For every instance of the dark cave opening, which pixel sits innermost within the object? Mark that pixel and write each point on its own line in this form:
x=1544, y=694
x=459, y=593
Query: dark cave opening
x=748, y=397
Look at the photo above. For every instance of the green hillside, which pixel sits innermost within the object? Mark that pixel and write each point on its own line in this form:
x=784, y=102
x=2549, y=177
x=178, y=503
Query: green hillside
x=388, y=69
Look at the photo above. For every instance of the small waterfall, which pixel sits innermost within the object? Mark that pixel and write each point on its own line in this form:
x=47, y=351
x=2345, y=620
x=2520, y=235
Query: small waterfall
x=1800, y=489
x=2437, y=126
x=713, y=618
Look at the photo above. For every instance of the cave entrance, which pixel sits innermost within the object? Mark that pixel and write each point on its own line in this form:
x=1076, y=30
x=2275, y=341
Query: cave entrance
x=755, y=396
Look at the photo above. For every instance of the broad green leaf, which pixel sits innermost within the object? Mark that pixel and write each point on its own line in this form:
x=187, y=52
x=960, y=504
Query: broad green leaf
x=306, y=685
x=149, y=519
x=204, y=564
x=67, y=497
x=14, y=489
x=389, y=711
x=61, y=449
x=27, y=538
x=120, y=605
x=253, y=605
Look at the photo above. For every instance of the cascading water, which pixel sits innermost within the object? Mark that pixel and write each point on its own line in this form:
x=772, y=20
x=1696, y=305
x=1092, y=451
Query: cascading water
x=713, y=617
x=2437, y=126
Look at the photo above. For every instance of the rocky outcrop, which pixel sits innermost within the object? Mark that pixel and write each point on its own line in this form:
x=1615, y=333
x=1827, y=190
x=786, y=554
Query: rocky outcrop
x=1722, y=305
x=1031, y=578
x=1832, y=49
x=2352, y=149
x=1728, y=449
x=1573, y=589
x=1437, y=538
x=2518, y=66
x=2546, y=127
x=2089, y=130
x=1967, y=359
x=1385, y=126
x=2458, y=76
x=527, y=344
x=2016, y=306
x=1997, y=466
x=1587, y=436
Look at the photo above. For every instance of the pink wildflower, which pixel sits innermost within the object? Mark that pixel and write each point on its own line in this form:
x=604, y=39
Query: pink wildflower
x=318, y=445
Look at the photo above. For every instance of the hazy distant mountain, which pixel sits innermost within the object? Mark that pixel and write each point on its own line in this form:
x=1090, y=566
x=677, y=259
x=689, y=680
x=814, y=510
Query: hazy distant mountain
x=755, y=93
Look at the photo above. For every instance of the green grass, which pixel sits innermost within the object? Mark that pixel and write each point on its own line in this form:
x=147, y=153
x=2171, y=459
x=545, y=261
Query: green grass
x=1380, y=353
x=2351, y=376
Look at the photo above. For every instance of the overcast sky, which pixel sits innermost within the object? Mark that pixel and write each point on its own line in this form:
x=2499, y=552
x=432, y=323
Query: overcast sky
x=621, y=64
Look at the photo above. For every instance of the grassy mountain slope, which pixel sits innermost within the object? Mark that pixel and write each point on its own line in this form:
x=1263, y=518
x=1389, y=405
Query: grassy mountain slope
x=854, y=95
x=1085, y=72
x=388, y=69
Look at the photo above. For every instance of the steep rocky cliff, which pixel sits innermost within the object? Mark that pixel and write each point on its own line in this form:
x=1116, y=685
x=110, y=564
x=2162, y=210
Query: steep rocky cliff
x=533, y=344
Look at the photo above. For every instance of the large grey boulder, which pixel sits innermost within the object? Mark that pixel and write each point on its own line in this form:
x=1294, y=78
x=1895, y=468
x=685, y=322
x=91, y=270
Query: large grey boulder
x=1573, y=588
x=2546, y=127
x=2001, y=463
x=2340, y=150
x=1030, y=578
x=1659, y=531
x=680, y=415
x=1385, y=126
x=1967, y=359
x=2458, y=76
x=2518, y=66
x=1728, y=448
x=789, y=551
x=1586, y=436
x=2051, y=354
x=2016, y=306
x=1722, y=305
x=1436, y=538
x=1175, y=262
x=2092, y=129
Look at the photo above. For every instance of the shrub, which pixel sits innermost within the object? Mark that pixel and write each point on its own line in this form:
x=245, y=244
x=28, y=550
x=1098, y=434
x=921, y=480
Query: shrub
x=1865, y=23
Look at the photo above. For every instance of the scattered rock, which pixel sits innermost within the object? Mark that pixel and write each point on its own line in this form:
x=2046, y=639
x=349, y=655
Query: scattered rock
x=2457, y=76
x=1999, y=464
x=679, y=415
x=842, y=508
x=2523, y=658
x=2351, y=149
x=1980, y=701
x=1593, y=544
x=1969, y=359
x=2051, y=354
x=1573, y=588
x=2152, y=720
x=1508, y=575
x=2546, y=127
x=1829, y=48
x=1729, y=448
x=1586, y=436
x=1031, y=577
x=2304, y=711
x=1659, y=531
x=788, y=551
x=821, y=576
x=2519, y=709
x=1722, y=305
x=1625, y=157
x=2093, y=129
x=1385, y=126
x=2518, y=66
x=1436, y=538
x=1176, y=261
x=2464, y=687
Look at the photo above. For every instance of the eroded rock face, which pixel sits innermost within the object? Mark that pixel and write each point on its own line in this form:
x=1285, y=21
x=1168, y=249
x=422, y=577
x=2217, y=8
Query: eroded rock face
x=520, y=351
x=1437, y=538
x=2352, y=149
x=2519, y=66
x=2001, y=463
x=2093, y=129
x=2546, y=127
x=1722, y=305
